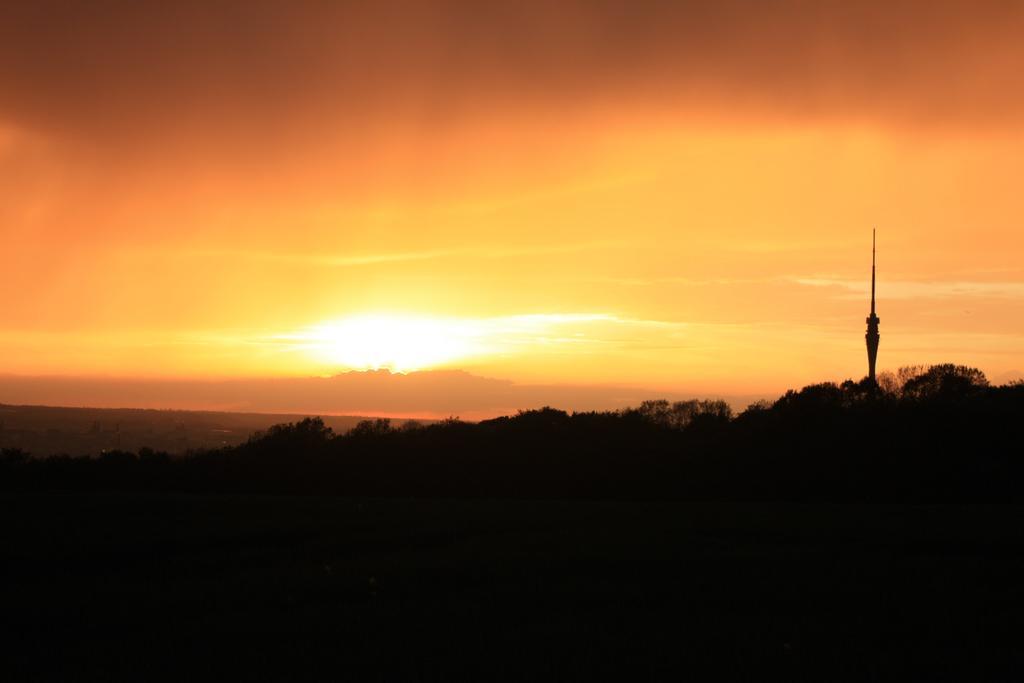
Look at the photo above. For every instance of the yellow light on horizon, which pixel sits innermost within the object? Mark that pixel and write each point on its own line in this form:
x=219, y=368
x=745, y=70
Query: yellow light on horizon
x=398, y=343
x=408, y=342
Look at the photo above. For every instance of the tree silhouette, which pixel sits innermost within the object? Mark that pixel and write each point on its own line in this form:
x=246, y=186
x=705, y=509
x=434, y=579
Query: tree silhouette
x=946, y=381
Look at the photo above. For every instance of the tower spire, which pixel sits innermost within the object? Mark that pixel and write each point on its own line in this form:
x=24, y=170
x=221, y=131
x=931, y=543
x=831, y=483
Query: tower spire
x=872, y=336
x=872, y=271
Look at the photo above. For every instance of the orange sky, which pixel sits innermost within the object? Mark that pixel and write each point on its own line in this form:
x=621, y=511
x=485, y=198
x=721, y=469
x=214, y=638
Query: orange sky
x=668, y=195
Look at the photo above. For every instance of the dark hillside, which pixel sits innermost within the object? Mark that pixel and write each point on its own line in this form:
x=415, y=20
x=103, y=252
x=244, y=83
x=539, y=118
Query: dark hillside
x=172, y=587
x=942, y=436
x=843, y=533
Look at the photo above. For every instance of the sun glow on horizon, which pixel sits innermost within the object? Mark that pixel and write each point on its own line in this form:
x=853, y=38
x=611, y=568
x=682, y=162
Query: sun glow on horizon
x=399, y=343
x=406, y=343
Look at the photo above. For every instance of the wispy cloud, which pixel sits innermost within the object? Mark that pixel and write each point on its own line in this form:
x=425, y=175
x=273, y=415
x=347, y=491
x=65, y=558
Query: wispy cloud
x=355, y=260
x=690, y=282
x=846, y=288
x=383, y=341
x=907, y=289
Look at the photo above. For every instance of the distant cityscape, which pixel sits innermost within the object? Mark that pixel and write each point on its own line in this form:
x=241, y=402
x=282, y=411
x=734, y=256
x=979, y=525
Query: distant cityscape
x=42, y=430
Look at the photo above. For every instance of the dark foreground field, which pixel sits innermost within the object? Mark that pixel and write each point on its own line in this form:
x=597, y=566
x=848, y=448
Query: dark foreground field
x=121, y=587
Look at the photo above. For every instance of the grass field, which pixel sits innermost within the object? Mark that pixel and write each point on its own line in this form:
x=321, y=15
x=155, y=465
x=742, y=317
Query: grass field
x=105, y=587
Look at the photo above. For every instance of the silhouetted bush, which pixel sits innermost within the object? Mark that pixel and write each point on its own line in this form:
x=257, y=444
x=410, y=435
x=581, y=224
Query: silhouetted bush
x=946, y=382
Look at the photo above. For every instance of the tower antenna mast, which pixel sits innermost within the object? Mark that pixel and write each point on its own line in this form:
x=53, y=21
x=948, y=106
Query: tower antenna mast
x=872, y=271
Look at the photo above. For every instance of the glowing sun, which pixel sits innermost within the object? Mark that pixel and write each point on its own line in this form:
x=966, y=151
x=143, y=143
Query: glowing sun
x=396, y=343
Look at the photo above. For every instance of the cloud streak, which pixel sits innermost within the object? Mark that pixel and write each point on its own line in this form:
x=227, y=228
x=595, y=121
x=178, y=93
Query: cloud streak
x=905, y=289
x=371, y=259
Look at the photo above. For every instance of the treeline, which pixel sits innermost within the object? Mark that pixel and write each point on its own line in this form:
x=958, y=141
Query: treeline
x=934, y=434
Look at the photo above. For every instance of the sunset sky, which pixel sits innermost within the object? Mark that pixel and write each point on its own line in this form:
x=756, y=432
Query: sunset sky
x=677, y=196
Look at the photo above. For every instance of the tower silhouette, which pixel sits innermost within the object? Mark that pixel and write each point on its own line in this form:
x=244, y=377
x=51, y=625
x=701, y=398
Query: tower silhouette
x=872, y=335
